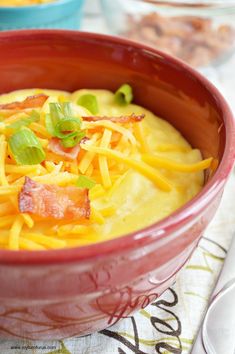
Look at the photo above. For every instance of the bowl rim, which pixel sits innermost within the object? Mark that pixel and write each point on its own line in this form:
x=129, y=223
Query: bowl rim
x=163, y=228
x=37, y=7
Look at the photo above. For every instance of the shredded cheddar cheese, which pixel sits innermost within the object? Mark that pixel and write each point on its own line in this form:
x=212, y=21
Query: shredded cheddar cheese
x=103, y=163
x=14, y=234
x=96, y=216
x=6, y=208
x=87, y=159
x=43, y=240
x=138, y=129
x=28, y=220
x=141, y=167
x=3, y=151
x=114, y=127
x=138, y=172
x=30, y=245
x=157, y=161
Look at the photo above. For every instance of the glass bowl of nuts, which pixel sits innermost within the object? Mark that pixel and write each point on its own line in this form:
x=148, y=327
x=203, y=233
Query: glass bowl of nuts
x=202, y=32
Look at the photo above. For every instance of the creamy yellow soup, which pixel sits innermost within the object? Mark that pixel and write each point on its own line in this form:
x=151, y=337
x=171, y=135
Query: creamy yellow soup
x=141, y=171
x=23, y=2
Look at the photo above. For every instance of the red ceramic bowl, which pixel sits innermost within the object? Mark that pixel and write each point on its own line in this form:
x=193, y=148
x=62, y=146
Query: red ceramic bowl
x=63, y=293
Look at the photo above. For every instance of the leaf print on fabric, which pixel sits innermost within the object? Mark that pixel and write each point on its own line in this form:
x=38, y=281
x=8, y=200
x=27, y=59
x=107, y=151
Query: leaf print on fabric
x=191, y=293
x=62, y=350
x=218, y=253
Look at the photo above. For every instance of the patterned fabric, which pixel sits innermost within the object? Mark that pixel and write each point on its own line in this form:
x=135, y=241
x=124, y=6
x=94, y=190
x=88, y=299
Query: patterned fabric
x=170, y=324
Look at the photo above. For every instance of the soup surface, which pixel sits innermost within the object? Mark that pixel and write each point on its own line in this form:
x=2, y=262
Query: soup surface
x=23, y=2
x=86, y=167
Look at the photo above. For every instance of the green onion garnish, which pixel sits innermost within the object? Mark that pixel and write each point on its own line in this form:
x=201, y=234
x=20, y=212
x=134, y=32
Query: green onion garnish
x=71, y=141
x=89, y=102
x=66, y=128
x=60, y=123
x=124, y=95
x=24, y=122
x=26, y=148
x=85, y=182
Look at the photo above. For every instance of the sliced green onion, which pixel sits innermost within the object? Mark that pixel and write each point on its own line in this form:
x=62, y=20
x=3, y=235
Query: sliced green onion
x=89, y=102
x=26, y=148
x=57, y=111
x=124, y=95
x=73, y=140
x=85, y=182
x=60, y=111
x=66, y=109
x=66, y=128
x=60, y=122
x=24, y=122
x=49, y=125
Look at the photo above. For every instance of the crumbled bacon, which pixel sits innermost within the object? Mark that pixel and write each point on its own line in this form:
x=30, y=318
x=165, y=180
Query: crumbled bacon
x=133, y=118
x=67, y=153
x=198, y=40
x=51, y=201
x=30, y=102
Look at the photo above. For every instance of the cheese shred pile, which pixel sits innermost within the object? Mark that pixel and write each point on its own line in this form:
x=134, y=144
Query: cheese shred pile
x=104, y=163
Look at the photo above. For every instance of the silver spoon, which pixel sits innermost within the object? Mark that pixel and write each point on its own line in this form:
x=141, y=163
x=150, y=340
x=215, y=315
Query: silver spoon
x=217, y=334
x=218, y=330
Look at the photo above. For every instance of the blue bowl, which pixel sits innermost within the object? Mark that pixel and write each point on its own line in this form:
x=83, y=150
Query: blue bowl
x=65, y=14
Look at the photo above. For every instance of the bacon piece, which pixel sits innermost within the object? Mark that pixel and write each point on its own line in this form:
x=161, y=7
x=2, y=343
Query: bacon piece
x=51, y=201
x=133, y=118
x=30, y=102
x=67, y=153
